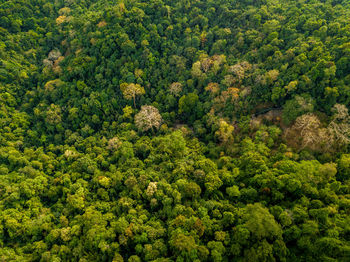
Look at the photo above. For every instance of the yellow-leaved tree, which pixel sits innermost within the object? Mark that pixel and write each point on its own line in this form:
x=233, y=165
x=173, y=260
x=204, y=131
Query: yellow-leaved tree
x=130, y=91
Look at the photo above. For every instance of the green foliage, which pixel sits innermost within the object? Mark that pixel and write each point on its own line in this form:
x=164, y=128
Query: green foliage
x=296, y=107
x=155, y=130
x=189, y=107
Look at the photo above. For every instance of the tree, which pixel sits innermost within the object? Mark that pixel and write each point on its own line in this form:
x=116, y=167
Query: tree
x=130, y=91
x=265, y=235
x=344, y=167
x=213, y=88
x=339, y=127
x=225, y=132
x=114, y=143
x=308, y=133
x=189, y=106
x=147, y=118
x=296, y=107
x=183, y=245
x=54, y=114
x=271, y=76
x=175, y=88
x=197, y=71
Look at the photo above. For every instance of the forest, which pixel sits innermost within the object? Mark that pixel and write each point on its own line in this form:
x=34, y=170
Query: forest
x=187, y=130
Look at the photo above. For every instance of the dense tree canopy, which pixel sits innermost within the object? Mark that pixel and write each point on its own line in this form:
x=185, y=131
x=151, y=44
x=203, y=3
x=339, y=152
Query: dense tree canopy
x=166, y=130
